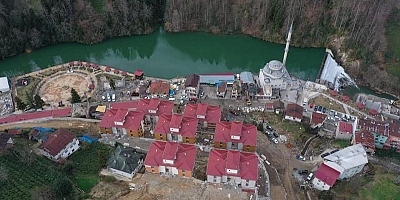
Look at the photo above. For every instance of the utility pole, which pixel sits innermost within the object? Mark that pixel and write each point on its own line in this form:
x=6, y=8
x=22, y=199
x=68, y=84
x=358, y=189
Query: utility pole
x=287, y=44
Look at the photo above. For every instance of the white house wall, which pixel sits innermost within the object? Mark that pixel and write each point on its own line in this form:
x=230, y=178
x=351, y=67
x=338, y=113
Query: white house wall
x=211, y=179
x=320, y=185
x=161, y=169
x=68, y=150
x=121, y=173
x=251, y=184
x=348, y=173
x=114, y=130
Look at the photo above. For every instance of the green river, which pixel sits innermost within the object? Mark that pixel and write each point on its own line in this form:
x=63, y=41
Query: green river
x=168, y=55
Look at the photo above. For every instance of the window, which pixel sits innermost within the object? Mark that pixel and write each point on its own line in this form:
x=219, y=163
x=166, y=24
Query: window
x=183, y=173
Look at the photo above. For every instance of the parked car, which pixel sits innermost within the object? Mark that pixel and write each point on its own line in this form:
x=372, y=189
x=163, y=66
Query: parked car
x=267, y=133
x=113, y=97
x=103, y=97
x=325, y=154
x=310, y=176
x=319, y=109
x=300, y=157
x=121, y=94
x=108, y=97
x=311, y=105
x=332, y=112
x=302, y=171
x=334, y=151
x=276, y=134
x=316, y=108
x=270, y=128
x=201, y=93
x=275, y=140
x=324, y=110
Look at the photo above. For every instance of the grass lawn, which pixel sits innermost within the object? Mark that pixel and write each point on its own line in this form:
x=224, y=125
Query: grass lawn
x=86, y=182
x=342, y=143
x=382, y=188
x=21, y=91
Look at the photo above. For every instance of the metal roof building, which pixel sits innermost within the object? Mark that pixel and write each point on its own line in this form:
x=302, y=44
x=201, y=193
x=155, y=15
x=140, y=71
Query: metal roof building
x=212, y=79
x=5, y=84
x=247, y=77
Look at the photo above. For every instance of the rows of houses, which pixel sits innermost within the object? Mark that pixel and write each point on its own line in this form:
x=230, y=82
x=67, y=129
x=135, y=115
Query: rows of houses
x=173, y=153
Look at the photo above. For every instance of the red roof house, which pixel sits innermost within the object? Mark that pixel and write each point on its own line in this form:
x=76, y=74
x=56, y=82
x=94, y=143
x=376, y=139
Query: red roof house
x=360, y=105
x=79, y=63
x=333, y=93
x=159, y=87
x=344, y=131
x=235, y=135
x=108, y=69
x=317, y=119
x=87, y=64
x=116, y=71
x=233, y=164
x=124, y=73
x=60, y=144
x=345, y=98
x=139, y=74
x=176, y=128
x=204, y=112
x=95, y=66
x=294, y=112
x=170, y=158
x=365, y=138
x=325, y=177
x=122, y=121
x=373, y=112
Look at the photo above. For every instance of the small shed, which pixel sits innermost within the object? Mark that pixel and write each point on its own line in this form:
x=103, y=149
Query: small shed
x=345, y=98
x=139, y=74
x=373, y=112
x=108, y=69
x=71, y=63
x=116, y=71
x=95, y=66
x=91, y=87
x=334, y=93
x=124, y=73
x=79, y=63
x=87, y=64
x=360, y=105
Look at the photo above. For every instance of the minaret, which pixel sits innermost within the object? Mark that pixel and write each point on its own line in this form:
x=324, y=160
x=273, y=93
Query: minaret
x=287, y=44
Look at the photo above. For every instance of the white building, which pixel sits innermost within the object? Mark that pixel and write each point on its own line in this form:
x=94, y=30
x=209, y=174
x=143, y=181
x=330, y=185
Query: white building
x=5, y=84
x=60, y=144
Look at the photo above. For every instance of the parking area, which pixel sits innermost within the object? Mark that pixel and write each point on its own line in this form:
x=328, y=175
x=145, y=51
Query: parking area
x=6, y=103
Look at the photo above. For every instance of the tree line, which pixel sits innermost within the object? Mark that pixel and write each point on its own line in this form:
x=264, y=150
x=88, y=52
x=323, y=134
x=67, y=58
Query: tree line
x=30, y=24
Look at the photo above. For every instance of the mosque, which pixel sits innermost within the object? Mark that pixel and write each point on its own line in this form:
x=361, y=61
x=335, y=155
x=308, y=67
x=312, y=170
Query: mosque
x=274, y=77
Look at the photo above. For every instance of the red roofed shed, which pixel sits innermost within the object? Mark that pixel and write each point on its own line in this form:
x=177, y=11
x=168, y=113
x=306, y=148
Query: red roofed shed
x=108, y=69
x=360, y=105
x=124, y=73
x=345, y=98
x=139, y=74
x=116, y=71
x=373, y=112
x=333, y=93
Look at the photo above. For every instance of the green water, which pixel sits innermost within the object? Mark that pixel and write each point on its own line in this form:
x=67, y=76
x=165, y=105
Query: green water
x=169, y=55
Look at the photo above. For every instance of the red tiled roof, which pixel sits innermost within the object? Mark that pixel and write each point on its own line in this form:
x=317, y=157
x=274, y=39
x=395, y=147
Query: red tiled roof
x=327, y=174
x=108, y=69
x=126, y=104
x=176, y=121
x=192, y=80
x=220, y=160
x=317, y=118
x=345, y=127
x=365, y=138
x=159, y=87
x=57, y=141
x=124, y=73
x=15, y=131
x=211, y=114
x=294, y=110
x=148, y=106
x=381, y=128
x=95, y=66
x=79, y=63
x=87, y=64
x=373, y=112
x=224, y=132
x=345, y=98
x=71, y=63
x=133, y=120
x=333, y=93
x=34, y=132
x=183, y=158
x=360, y=105
x=269, y=106
x=116, y=71
x=139, y=72
x=91, y=86
x=120, y=115
x=187, y=125
x=108, y=119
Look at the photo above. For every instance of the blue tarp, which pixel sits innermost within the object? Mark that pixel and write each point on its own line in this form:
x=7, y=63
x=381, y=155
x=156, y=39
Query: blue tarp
x=171, y=92
x=88, y=139
x=44, y=130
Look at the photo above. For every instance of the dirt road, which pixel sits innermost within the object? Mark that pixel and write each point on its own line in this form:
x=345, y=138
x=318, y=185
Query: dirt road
x=91, y=128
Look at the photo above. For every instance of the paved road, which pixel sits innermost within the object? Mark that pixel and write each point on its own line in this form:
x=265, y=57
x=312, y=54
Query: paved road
x=346, y=107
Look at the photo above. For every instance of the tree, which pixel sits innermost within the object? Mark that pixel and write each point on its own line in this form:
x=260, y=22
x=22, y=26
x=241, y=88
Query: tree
x=62, y=188
x=260, y=127
x=75, y=98
x=3, y=174
x=29, y=100
x=39, y=103
x=42, y=193
x=20, y=104
x=112, y=84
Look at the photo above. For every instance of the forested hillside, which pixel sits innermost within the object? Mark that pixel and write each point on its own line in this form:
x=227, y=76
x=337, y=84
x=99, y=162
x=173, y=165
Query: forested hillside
x=354, y=29
x=29, y=24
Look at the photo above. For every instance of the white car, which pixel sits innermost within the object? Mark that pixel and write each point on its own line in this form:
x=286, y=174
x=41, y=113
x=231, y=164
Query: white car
x=113, y=97
x=108, y=97
x=310, y=176
x=275, y=140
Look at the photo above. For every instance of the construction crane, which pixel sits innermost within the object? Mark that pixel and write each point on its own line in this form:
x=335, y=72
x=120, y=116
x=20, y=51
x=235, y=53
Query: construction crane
x=248, y=102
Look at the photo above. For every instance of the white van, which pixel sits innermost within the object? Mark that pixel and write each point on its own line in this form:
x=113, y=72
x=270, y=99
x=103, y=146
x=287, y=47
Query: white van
x=113, y=97
x=108, y=97
x=171, y=99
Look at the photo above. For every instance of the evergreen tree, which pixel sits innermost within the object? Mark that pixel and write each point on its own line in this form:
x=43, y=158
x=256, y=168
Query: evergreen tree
x=20, y=104
x=39, y=103
x=75, y=98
